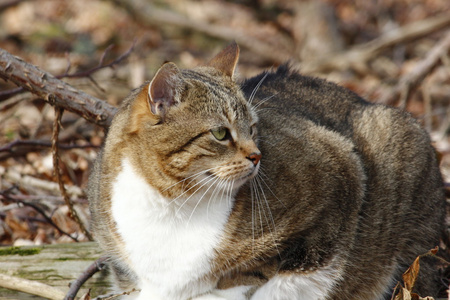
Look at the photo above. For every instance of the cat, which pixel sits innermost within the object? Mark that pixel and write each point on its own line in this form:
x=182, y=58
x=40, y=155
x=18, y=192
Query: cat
x=281, y=187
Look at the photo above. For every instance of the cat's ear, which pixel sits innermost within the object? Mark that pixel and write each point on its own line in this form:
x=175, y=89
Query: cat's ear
x=226, y=60
x=163, y=90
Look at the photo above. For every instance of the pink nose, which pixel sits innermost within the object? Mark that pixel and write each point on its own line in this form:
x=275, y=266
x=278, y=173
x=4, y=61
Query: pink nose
x=255, y=157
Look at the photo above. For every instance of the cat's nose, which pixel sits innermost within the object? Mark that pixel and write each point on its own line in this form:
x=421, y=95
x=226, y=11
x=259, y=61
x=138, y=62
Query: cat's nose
x=255, y=157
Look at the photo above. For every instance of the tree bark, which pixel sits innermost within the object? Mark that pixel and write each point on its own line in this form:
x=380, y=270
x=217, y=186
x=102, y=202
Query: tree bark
x=53, y=265
x=54, y=91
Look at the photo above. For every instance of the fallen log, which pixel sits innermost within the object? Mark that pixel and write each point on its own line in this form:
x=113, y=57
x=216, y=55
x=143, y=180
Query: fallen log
x=53, y=265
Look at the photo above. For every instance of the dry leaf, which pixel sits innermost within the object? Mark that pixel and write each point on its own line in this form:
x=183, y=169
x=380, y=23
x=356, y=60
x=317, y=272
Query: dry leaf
x=410, y=276
x=86, y=296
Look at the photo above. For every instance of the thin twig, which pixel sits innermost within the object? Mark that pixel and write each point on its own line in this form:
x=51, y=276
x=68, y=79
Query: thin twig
x=412, y=79
x=30, y=287
x=360, y=54
x=73, y=212
x=148, y=14
x=55, y=91
x=29, y=183
x=11, y=3
x=113, y=296
x=88, y=73
x=75, y=286
x=101, y=64
x=9, y=93
x=49, y=220
x=39, y=198
x=11, y=147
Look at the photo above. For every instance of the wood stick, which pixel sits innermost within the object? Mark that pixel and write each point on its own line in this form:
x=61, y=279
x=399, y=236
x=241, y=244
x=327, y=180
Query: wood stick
x=73, y=212
x=360, y=54
x=27, y=182
x=412, y=79
x=115, y=296
x=54, y=91
x=148, y=14
x=75, y=286
x=30, y=287
x=88, y=73
x=40, y=211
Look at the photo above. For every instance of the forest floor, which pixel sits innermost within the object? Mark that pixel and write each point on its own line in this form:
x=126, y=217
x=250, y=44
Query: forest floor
x=391, y=52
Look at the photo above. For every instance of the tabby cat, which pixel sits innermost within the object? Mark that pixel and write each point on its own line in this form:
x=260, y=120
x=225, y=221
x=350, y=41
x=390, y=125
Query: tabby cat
x=283, y=187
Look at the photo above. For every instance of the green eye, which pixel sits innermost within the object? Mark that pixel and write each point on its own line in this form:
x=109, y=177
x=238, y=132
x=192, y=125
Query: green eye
x=220, y=133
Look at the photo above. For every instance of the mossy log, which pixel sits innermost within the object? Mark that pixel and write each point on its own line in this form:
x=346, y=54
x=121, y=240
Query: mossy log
x=55, y=265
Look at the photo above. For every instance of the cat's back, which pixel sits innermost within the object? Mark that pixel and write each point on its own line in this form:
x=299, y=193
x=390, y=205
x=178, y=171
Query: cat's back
x=402, y=213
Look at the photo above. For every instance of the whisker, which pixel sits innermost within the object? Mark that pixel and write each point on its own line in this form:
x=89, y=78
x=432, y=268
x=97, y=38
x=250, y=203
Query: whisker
x=210, y=178
x=259, y=207
x=252, y=186
x=225, y=189
x=218, y=186
x=201, y=198
x=264, y=101
x=267, y=109
x=176, y=198
x=260, y=176
x=252, y=95
x=231, y=193
x=269, y=217
x=195, y=175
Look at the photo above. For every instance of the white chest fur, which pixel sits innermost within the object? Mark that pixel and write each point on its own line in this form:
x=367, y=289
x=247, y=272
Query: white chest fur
x=170, y=248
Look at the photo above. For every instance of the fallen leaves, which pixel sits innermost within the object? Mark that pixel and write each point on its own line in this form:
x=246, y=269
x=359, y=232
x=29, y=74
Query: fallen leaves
x=409, y=279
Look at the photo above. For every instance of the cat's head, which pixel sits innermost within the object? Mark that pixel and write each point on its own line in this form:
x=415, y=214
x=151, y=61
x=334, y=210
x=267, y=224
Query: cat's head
x=191, y=129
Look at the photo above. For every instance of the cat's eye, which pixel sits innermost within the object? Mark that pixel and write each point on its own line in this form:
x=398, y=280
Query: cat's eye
x=220, y=133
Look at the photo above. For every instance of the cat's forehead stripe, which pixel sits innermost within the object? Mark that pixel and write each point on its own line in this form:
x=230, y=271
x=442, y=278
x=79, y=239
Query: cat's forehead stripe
x=237, y=109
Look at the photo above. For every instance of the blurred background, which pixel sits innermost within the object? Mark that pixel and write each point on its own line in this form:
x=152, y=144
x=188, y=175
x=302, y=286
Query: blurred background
x=106, y=48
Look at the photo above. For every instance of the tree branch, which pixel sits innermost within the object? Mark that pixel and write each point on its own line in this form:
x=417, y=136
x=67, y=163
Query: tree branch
x=29, y=182
x=96, y=266
x=148, y=14
x=49, y=220
x=12, y=147
x=73, y=212
x=54, y=91
x=101, y=65
x=10, y=3
x=30, y=287
x=360, y=54
x=412, y=79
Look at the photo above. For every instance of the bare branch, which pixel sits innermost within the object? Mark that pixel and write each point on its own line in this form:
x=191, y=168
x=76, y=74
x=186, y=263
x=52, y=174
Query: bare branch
x=10, y=3
x=101, y=64
x=148, y=14
x=360, y=54
x=49, y=220
x=54, y=91
x=96, y=266
x=12, y=147
x=115, y=296
x=9, y=93
x=412, y=79
x=73, y=212
x=88, y=73
x=30, y=287
x=29, y=182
